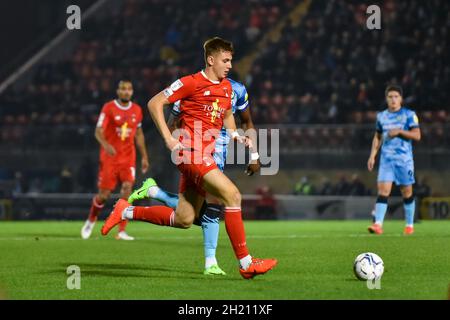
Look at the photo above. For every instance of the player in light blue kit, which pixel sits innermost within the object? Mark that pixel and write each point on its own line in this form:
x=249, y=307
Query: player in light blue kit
x=209, y=219
x=396, y=128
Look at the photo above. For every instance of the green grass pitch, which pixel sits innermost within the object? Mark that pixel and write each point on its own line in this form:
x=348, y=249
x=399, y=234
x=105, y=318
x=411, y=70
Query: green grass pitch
x=315, y=262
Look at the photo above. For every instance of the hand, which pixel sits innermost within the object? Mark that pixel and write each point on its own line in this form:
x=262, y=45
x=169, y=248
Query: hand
x=173, y=144
x=245, y=140
x=110, y=149
x=370, y=163
x=394, y=133
x=253, y=167
x=144, y=165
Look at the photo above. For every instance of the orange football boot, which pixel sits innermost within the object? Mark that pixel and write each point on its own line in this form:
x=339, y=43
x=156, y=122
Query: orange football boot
x=375, y=228
x=115, y=217
x=408, y=230
x=257, y=267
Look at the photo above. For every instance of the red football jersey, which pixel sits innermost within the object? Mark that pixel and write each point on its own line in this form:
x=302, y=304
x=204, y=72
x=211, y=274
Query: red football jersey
x=119, y=125
x=203, y=103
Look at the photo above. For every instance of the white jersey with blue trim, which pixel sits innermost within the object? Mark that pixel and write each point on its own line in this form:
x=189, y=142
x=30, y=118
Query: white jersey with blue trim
x=239, y=102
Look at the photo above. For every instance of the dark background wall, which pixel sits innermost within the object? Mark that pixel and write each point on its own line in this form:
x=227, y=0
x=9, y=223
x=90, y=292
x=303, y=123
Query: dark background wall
x=28, y=24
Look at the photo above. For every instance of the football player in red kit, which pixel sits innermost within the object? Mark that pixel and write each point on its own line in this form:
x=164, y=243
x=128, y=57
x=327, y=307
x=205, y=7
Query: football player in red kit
x=118, y=129
x=206, y=108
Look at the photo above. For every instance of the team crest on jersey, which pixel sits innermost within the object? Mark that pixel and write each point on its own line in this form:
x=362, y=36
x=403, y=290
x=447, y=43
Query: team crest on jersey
x=225, y=89
x=215, y=111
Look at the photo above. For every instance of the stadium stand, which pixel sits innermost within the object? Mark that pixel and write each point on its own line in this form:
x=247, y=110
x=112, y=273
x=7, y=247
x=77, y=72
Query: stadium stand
x=321, y=82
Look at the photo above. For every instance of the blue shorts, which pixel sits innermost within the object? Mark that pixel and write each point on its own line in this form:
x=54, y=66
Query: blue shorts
x=400, y=172
x=220, y=155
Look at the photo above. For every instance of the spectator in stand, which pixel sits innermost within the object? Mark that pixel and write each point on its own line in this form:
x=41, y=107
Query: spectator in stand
x=304, y=187
x=266, y=205
x=357, y=188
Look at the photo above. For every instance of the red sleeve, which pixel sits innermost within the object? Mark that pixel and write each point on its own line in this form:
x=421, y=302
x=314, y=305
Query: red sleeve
x=103, y=118
x=182, y=88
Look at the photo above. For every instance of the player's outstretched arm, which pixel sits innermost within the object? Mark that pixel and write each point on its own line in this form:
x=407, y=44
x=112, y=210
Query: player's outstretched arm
x=156, y=108
x=376, y=144
x=140, y=143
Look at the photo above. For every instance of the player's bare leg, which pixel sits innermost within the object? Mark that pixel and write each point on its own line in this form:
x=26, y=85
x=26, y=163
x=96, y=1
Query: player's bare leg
x=189, y=205
x=208, y=219
x=409, y=206
x=125, y=192
x=384, y=190
x=218, y=185
x=98, y=202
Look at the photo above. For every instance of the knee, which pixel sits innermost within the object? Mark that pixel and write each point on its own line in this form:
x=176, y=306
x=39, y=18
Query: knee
x=125, y=191
x=183, y=219
x=104, y=195
x=407, y=193
x=383, y=193
x=185, y=222
x=233, y=198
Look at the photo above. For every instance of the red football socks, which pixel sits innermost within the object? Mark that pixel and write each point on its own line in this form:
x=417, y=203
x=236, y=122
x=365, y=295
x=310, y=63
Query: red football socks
x=95, y=210
x=161, y=215
x=235, y=230
x=123, y=225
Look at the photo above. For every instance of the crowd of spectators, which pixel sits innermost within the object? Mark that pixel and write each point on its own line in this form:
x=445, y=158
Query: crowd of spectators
x=353, y=186
x=329, y=69
x=332, y=69
x=343, y=187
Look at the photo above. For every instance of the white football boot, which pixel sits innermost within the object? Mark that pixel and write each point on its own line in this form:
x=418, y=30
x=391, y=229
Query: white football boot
x=86, y=231
x=122, y=235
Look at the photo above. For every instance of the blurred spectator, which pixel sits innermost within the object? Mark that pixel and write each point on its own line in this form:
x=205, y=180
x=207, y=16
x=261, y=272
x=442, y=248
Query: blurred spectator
x=66, y=180
x=356, y=187
x=342, y=187
x=20, y=183
x=304, y=187
x=326, y=189
x=266, y=205
x=422, y=189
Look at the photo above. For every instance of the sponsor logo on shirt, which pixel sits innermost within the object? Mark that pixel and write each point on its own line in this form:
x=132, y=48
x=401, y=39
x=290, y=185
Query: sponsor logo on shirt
x=215, y=111
x=176, y=85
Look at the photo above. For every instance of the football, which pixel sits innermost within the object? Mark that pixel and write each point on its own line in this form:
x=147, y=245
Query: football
x=368, y=266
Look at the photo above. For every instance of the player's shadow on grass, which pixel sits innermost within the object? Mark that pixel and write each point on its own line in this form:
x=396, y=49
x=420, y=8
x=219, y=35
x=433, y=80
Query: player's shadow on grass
x=352, y=280
x=43, y=236
x=132, y=271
